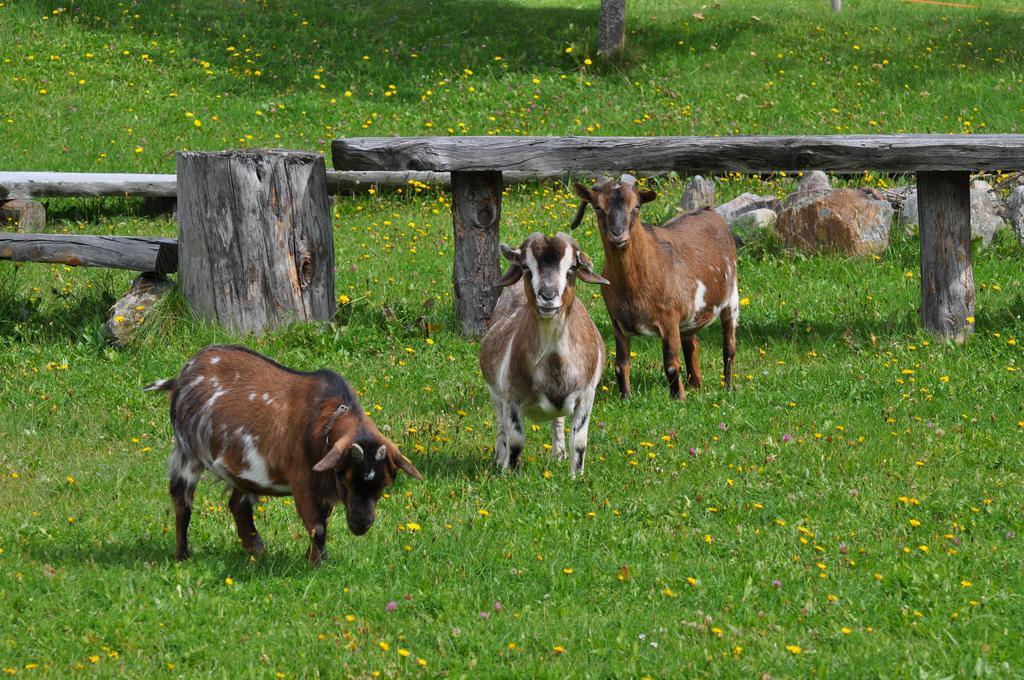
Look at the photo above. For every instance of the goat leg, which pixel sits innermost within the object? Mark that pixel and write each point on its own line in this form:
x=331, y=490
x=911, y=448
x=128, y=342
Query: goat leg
x=580, y=429
x=693, y=375
x=621, y=360
x=515, y=438
x=312, y=518
x=240, y=504
x=182, y=493
x=558, y=438
x=501, y=440
x=670, y=357
x=730, y=317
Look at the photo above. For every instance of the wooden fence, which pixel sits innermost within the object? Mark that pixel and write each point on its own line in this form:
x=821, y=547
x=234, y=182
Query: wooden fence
x=942, y=163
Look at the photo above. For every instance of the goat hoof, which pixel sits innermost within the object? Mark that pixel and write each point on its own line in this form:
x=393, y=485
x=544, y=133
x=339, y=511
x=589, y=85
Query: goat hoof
x=182, y=555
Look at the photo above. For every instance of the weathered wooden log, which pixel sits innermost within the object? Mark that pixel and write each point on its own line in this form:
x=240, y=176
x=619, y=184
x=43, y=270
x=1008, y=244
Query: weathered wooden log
x=947, y=280
x=611, y=38
x=893, y=153
x=141, y=254
x=256, y=244
x=24, y=213
x=54, y=184
x=344, y=182
x=476, y=216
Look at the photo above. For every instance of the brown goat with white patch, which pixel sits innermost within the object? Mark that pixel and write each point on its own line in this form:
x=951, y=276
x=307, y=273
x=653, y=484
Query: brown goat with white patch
x=268, y=430
x=668, y=281
x=542, y=356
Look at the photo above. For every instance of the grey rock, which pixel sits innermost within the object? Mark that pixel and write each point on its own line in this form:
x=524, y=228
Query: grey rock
x=698, y=194
x=129, y=313
x=745, y=203
x=985, y=218
x=814, y=185
x=750, y=225
x=816, y=180
x=1015, y=212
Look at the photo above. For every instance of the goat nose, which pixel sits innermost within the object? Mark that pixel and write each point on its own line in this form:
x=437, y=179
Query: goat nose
x=547, y=294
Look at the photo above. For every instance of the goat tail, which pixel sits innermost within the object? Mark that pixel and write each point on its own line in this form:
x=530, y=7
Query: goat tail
x=165, y=385
x=579, y=215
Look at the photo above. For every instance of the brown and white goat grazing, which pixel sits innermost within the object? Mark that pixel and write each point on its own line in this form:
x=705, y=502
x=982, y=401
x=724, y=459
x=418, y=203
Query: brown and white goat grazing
x=669, y=281
x=268, y=430
x=542, y=356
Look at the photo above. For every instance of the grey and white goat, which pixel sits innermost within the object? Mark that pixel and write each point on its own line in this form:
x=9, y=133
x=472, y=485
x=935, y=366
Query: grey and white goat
x=542, y=356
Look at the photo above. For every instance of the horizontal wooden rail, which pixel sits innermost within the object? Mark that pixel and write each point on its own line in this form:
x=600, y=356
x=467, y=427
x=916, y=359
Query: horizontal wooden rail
x=56, y=184
x=890, y=153
x=72, y=184
x=136, y=253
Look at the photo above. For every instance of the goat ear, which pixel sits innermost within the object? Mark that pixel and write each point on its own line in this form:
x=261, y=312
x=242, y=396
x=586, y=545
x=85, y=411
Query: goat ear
x=583, y=192
x=513, y=255
x=402, y=463
x=585, y=270
x=647, y=195
x=515, y=272
x=337, y=452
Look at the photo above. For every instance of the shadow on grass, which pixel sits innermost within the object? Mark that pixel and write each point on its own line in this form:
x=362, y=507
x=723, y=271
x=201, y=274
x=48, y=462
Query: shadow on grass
x=76, y=316
x=208, y=556
x=288, y=42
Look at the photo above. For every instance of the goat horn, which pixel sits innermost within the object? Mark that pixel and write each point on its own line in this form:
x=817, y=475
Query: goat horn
x=357, y=453
x=333, y=457
x=381, y=452
x=580, y=211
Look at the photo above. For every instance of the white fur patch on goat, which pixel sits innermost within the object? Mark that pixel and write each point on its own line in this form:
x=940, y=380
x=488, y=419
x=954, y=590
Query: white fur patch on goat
x=267, y=399
x=215, y=359
x=506, y=361
x=255, y=465
x=698, y=298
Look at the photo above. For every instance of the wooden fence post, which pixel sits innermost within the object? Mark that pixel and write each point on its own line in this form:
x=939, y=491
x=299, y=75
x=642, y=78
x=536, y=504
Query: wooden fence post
x=476, y=216
x=611, y=38
x=947, y=280
x=256, y=249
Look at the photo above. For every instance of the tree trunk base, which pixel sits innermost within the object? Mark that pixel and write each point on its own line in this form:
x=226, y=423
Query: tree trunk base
x=947, y=278
x=476, y=216
x=256, y=249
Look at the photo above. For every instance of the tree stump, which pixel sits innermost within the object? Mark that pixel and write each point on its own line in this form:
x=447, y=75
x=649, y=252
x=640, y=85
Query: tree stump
x=947, y=280
x=256, y=248
x=612, y=27
x=476, y=216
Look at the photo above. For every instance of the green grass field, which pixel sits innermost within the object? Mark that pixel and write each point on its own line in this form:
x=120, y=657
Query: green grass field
x=851, y=509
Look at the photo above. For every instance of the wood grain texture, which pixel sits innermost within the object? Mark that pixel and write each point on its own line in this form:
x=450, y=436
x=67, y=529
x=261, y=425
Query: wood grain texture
x=141, y=254
x=344, y=182
x=892, y=153
x=257, y=248
x=476, y=216
x=53, y=184
x=22, y=214
x=947, y=278
x=611, y=29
